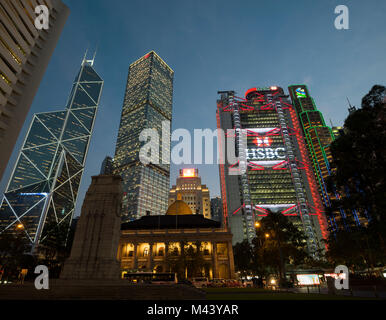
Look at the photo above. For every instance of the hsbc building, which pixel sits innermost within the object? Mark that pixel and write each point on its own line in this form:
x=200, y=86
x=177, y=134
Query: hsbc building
x=278, y=175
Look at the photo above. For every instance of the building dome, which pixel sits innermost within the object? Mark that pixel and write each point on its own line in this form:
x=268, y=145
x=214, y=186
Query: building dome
x=178, y=207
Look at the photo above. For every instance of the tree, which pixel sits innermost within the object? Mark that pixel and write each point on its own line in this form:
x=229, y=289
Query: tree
x=358, y=174
x=14, y=253
x=359, y=159
x=188, y=262
x=55, y=246
x=279, y=242
x=358, y=248
x=244, y=257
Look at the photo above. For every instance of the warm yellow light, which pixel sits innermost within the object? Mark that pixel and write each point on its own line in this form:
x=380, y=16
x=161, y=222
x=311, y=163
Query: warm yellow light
x=188, y=173
x=19, y=226
x=257, y=224
x=273, y=281
x=267, y=235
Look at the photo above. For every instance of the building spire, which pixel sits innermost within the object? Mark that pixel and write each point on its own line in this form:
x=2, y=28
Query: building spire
x=89, y=61
x=351, y=108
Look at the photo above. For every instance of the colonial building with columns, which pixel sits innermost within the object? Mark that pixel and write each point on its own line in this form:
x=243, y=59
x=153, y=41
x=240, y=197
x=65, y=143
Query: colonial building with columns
x=151, y=242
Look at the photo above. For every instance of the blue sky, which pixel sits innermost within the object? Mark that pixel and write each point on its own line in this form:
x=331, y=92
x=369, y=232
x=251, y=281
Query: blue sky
x=211, y=46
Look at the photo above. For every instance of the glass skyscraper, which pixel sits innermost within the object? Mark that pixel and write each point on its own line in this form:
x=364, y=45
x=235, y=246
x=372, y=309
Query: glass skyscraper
x=43, y=188
x=147, y=103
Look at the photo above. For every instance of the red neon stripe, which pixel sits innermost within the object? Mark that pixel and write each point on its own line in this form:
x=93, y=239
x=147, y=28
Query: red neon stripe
x=222, y=177
x=289, y=209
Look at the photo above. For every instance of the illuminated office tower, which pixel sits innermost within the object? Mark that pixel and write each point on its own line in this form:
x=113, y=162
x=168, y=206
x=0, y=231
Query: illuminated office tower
x=107, y=166
x=43, y=188
x=147, y=104
x=189, y=189
x=278, y=176
x=24, y=55
x=318, y=137
x=216, y=209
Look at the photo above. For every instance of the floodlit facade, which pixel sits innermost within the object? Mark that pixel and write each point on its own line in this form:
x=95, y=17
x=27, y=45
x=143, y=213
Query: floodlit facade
x=147, y=104
x=24, y=55
x=43, y=187
x=189, y=189
x=150, y=243
x=278, y=176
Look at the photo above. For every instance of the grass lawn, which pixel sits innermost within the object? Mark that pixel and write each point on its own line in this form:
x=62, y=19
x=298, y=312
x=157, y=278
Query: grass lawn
x=263, y=294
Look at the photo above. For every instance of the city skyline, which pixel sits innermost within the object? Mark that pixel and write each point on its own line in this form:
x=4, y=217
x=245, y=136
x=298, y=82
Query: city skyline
x=215, y=63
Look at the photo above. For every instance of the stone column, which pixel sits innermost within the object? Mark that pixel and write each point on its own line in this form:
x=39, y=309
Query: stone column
x=231, y=260
x=151, y=261
x=214, y=260
x=135, y=255
x=165, y=265
x=95, y=247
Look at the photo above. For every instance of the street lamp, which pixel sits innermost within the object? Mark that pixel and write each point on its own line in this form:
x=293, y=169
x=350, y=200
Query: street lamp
x=267, y=235
x=257, y=224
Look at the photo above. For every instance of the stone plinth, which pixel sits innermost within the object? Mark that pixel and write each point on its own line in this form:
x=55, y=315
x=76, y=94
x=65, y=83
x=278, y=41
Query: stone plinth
x=95, y=246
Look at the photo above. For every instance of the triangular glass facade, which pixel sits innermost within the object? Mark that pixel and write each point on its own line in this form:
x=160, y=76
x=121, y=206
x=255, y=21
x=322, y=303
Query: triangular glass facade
x=43, y=188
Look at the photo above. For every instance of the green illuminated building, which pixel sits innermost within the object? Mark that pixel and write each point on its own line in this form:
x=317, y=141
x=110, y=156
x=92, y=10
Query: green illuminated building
x=318, y=136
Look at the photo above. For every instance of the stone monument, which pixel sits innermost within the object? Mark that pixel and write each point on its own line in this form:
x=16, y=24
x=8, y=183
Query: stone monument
x=95, y=246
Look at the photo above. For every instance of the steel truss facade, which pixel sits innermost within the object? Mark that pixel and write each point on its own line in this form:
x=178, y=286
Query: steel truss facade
x=42, y=191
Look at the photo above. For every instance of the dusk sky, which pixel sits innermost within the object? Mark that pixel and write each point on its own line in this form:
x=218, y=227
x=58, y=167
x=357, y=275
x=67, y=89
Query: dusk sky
x=211, y=46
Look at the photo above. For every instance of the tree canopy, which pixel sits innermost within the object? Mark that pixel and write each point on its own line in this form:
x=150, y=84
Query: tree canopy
x=359, y=172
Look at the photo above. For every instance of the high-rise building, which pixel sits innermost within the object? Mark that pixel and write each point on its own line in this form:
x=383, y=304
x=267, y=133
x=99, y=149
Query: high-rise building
x=43, y=188
x=189, y=189
x=24, y=55
x=318, y=137
x=216, y=208
x=107, y=166
x=277, y=176
x=147, y=105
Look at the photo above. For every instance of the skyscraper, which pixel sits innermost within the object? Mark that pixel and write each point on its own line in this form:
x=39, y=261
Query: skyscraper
x=192, y=192
x=318, y=137
x=42, y=191
x=24, y=55
x=278, y=176
x=216, y=209
x=107, y=166
x=147, y=104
